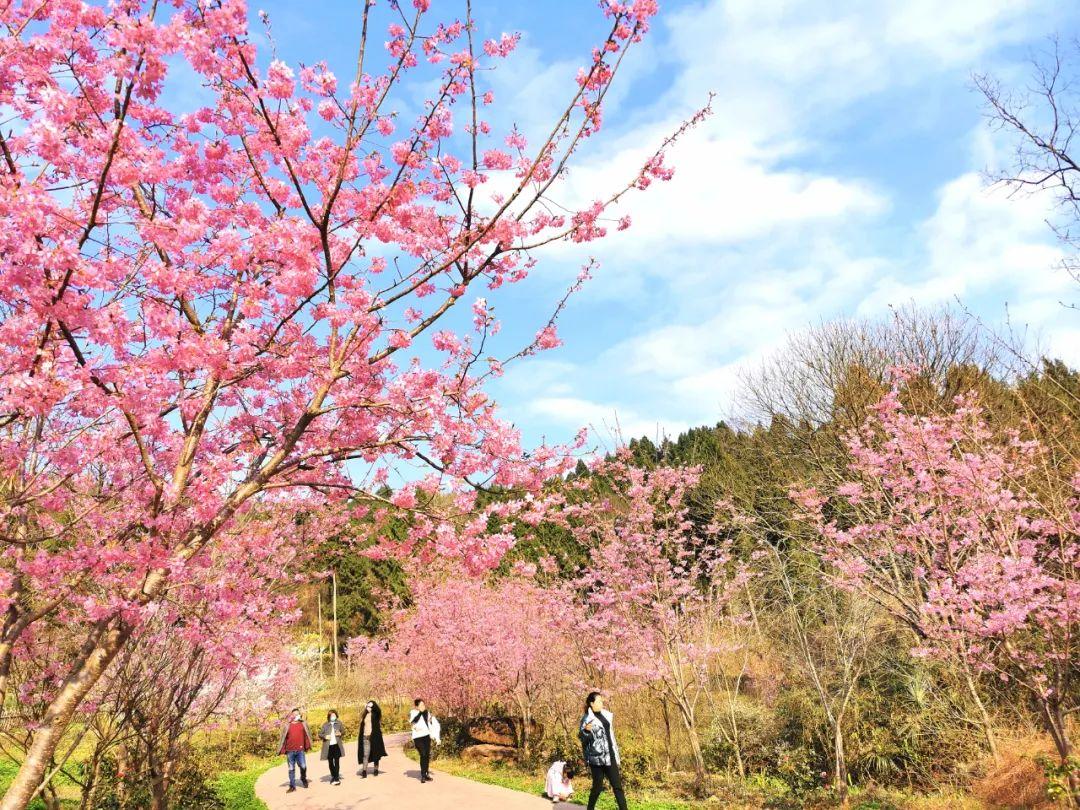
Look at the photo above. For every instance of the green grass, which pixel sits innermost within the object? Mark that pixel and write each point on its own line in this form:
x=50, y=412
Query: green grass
x=516, y=779
x=236, y=789
x=8, y=769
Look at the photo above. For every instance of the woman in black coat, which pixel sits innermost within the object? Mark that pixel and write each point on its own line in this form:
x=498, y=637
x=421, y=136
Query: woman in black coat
x=370, y=747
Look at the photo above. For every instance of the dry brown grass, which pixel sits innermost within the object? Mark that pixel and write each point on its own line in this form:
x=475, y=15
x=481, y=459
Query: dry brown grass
x=1016, y=780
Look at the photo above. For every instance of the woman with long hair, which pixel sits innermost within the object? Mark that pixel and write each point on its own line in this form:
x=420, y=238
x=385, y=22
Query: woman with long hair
x=597, y=734
x=370, y=747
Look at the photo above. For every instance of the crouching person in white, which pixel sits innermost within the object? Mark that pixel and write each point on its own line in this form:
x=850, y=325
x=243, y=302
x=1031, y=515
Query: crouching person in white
x=558, y=786
x=425, y=730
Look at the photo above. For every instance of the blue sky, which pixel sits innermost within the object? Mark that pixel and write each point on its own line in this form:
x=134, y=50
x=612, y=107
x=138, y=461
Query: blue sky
x=841, y=173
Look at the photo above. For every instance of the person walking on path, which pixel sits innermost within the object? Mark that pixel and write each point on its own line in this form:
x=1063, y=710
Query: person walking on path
x=601, y=751
x=332, y=735
x=370, y=747
x=425, y=729
x=295, y=742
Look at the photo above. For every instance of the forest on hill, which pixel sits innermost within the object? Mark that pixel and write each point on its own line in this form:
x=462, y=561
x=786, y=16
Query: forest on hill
x=739, y=645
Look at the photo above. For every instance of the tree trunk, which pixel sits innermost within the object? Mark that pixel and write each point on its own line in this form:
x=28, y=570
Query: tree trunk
x=161, y=770
x=984, y=715
x=49, y=797
x=86, y=801
x=699, y=759
x=9, y=633
x=159, y=791
x=5, y=672
x=526, y=717
x=334, y=573
x=122, y=767
x=97, y=653
x=667, y=733
x=735, y=743
x=689, y=721
x=841, y=779
x=157, y=779
x=322, y=669
x=753, y=612
x=1055, y=721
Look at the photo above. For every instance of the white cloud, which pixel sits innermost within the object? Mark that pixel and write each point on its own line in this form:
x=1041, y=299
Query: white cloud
x=725, y=190
x=610, y=425
x=816, y=57
x=979, y=239
x=783, y=73
x=526, y=378
x=751, y=316
x=769, y=227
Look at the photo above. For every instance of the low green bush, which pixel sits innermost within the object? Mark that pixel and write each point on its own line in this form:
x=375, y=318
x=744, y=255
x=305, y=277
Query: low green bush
x=8, y=770
x=189, y=788
x=236, y=789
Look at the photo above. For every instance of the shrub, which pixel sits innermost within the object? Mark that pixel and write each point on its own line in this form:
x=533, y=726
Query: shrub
x=455, y=737
x=639, y=762
x=236, y=790
x=188, y=788
x=759, y=735
x=797, y=767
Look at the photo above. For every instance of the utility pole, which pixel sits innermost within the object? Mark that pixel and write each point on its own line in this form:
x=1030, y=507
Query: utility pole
x=322, y=671
x=334, y=575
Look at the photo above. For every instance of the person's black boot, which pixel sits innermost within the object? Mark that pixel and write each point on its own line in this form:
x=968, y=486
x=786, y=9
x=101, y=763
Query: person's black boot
x=303, y=777
x=376, y=770
x=363, y=773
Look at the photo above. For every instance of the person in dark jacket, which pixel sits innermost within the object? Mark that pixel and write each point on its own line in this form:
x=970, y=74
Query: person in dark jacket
x=598, y=744
x=370, y=746
x=332, y=735
x=295, y=742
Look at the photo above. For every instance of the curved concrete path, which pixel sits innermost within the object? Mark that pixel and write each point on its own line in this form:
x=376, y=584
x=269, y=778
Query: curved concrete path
x=397, y=787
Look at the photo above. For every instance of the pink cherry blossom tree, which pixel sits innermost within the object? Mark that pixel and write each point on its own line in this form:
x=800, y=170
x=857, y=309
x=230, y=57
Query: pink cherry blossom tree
x=228, y=621
x=215, y=313
x=957, y=531
x=470, y=647
x=658, y=593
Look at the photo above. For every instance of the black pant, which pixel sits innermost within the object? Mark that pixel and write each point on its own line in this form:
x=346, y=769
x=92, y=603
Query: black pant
x=612, y=773
x=333, y=753
x=423, y=747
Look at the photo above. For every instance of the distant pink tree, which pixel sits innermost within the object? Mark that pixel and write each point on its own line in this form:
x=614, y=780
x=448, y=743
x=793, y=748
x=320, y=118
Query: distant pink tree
x=213, y=303
x=657, y=591
x=471, y=646
x=955, y=530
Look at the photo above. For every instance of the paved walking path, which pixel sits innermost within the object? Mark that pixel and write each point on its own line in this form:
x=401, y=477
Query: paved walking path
x=397, y=787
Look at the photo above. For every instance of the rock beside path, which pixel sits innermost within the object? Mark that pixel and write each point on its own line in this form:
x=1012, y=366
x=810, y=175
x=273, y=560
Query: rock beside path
x=486, y=752
x=498, y=730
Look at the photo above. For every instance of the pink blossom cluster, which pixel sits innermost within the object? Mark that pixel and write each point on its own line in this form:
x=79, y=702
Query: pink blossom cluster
x=468, y=646
x=656, y=586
